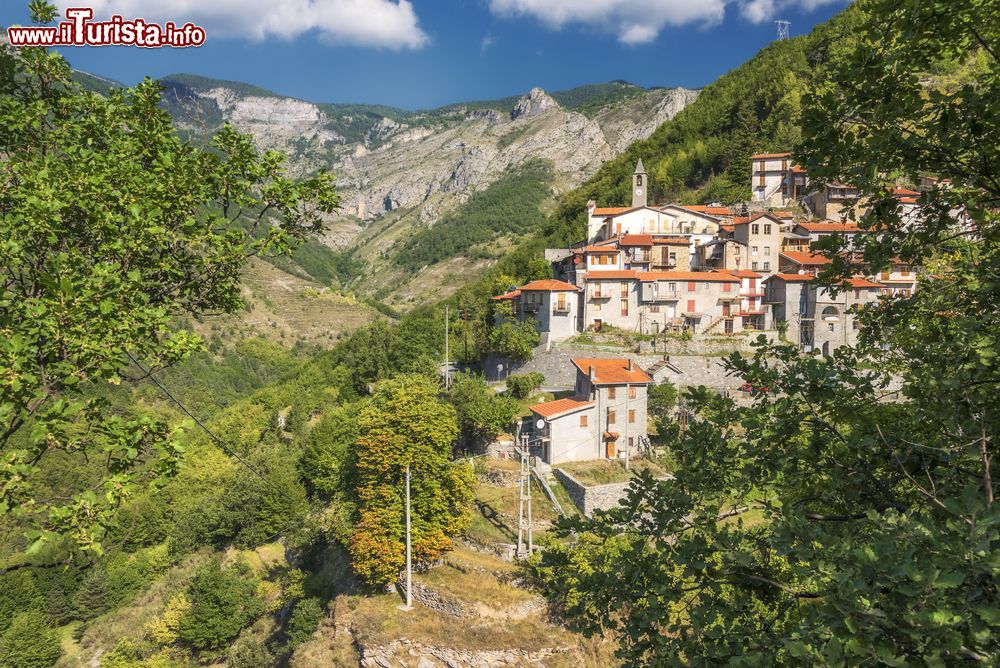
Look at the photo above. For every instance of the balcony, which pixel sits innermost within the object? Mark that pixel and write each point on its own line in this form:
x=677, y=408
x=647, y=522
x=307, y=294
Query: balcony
x=530, y=307
x=561, y=308
x=600, y=294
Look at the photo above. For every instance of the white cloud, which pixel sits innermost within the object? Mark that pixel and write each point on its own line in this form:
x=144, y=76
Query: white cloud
x=486, y=42
x=641, y=21
x=387, y=24
x=632, y=21
x=759, y=11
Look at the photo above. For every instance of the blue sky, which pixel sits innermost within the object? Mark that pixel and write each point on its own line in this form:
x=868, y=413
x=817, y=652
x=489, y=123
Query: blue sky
x=426, y=53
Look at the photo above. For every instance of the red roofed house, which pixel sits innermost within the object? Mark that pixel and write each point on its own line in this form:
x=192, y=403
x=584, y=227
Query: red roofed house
x=817, y=230
x=799, y=262
x=762, y=237
x=604, y=419
x=650, y=302
x=553, y=305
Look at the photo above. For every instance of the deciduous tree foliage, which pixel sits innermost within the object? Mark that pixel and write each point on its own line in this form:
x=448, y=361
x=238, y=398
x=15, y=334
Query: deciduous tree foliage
x=835, y=522
x=406, y=424
x=110, y=225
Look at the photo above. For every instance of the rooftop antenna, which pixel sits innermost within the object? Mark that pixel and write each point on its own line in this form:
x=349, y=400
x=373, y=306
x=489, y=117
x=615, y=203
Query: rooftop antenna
x=782, y=28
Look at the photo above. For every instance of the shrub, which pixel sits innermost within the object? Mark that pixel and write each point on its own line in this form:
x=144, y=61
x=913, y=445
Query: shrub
x=249, y=652
x=305, y=618
x=223, y=602
x=522, y=385
x=29, y=642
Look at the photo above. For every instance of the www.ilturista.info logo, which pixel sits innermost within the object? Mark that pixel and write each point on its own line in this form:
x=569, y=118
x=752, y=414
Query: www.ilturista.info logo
x=79, y=30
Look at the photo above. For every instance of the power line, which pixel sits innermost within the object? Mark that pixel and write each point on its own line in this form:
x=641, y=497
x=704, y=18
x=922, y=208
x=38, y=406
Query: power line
x=219, y=441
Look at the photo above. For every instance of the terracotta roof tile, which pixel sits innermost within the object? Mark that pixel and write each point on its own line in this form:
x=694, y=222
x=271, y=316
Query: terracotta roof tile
x=513, y=294
x=611, y=210
x=804, y=258
x=764, y=156
x=612, y=371
x=828, y=226
x=793, y=278
x=550, y=409
x=614, y=274
x=636, y=240
x=550, y=285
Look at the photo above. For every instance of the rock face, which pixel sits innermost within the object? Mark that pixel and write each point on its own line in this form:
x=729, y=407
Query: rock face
x=413, y=168
x=532, y=104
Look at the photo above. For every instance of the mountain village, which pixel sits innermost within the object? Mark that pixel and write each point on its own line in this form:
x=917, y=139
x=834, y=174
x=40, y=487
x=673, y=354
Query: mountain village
x=690, y=272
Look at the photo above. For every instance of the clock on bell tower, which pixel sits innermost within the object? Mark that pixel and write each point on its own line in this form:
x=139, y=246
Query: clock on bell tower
x=639, y=185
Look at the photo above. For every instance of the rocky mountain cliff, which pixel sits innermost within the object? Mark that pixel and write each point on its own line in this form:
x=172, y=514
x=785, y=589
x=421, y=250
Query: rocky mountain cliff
x=396, y=169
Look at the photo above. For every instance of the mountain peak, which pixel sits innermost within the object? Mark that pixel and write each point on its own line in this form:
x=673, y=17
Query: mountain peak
x=534, y=103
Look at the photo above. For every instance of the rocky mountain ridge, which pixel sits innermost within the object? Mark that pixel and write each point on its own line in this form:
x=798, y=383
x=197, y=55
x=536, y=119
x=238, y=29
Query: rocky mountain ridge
x=397, y=169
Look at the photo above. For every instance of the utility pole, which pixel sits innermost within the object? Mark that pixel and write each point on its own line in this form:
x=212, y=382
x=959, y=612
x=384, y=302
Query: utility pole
x=409, y=563
x=524, y=499
x=447, y=359
x=625, y=436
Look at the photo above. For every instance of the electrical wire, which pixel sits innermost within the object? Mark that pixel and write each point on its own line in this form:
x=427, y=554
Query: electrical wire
x=149, y=374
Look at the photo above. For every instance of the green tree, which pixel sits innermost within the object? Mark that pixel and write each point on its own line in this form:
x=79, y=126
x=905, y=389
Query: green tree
x=249, y=652
x=109, y=226
x=406, y=424
x=512, y=338
x=223, y=602
x=827, y=524
x=326, y=463
x=482, y=413
x=29, y=642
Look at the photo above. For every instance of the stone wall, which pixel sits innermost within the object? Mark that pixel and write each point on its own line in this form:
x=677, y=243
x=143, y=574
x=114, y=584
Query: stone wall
x=596, y=497
x=409, y=653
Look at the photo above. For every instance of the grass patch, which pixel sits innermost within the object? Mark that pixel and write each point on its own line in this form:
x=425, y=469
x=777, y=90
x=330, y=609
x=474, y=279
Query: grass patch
x=606, y=471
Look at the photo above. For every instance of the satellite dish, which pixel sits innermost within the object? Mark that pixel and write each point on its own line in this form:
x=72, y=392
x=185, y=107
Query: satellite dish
x=540, y=423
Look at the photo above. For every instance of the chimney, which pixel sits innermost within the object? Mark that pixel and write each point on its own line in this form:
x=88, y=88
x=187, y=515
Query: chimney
x=629, y=363
x=590, y=372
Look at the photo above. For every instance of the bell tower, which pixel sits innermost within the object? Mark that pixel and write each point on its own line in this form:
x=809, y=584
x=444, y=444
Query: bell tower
x=640, y=185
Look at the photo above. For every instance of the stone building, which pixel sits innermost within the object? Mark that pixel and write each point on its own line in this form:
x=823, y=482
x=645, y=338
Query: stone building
x=606, y=417
x=818, y=319
x=552, y=305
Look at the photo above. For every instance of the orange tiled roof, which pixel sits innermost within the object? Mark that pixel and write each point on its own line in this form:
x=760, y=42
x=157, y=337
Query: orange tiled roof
x=739, y=220
x=829, y=226
x=636, y=240
x=727, y=228
x=743, y=273
x=612, y=210
x=764, y=156
x=859, y=282
x=798, y=169
x=611, y=371
x=559, y=406
x=906, y=191
x=601, y=249
x=782, y=214
x=710, y=210
x=794, y=278
x=802, y=257
x=550, y=285
x=743, y=220
x=513, y=294
x=672, y=242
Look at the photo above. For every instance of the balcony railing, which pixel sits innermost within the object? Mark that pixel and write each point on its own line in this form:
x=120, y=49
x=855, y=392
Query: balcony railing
x=560, y=308
x=600, y=294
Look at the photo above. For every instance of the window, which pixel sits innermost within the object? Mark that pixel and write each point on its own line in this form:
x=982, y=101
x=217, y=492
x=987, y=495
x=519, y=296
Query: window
x=767, y=266
x=597, y=306
x=857, y=294
x=690, y=306
x=672, y=259
x=624, y=287
x=767, y=229
x=604, y=259
x=638, y=179
x=672, y=287
x=624, y=308
x=612, y=392
x=655, y=308
x=830, y=327
x=726, y=287
x=561, y=302
x=736, y=249
x=583, y=420
x=631, y=416
x=631, y=393
x=612, y=417
x=767, y=251
x=692, y=286
x=753, y=251
x=856, y=324
x=755, y=228
x=754, y=266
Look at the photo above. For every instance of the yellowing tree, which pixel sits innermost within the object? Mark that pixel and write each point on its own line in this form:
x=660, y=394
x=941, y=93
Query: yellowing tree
x=406, y=424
